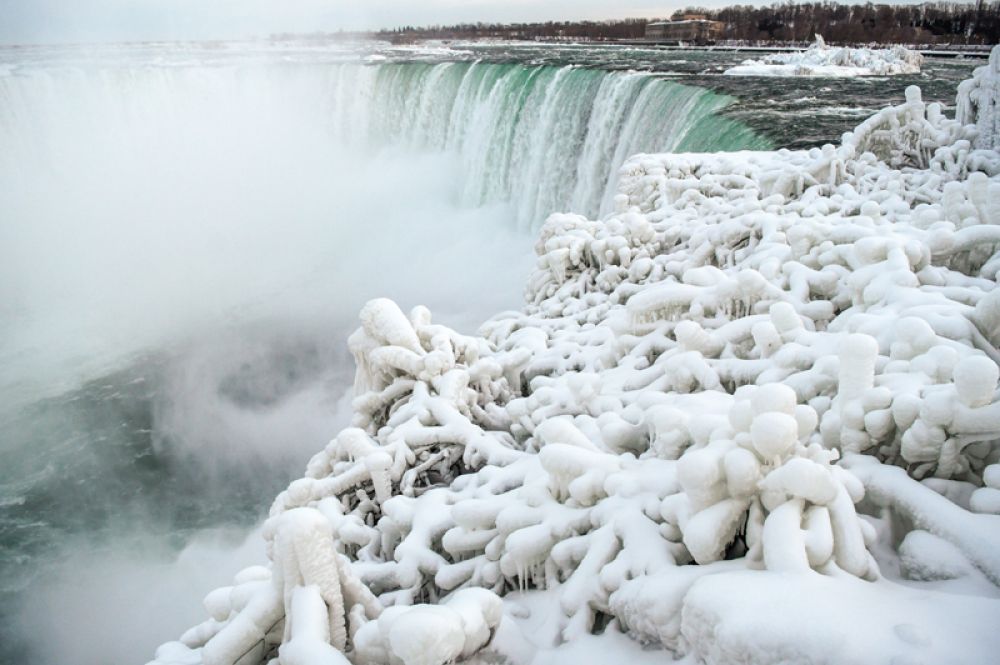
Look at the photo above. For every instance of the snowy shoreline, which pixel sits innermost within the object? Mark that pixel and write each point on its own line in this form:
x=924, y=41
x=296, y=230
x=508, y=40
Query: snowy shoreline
x=779, y=366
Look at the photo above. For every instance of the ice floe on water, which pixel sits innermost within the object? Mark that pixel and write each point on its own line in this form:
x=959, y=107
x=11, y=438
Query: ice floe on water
x=751, y=416
x=830, y=61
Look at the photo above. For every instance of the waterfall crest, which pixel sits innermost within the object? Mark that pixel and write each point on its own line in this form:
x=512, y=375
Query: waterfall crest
x=541, y=138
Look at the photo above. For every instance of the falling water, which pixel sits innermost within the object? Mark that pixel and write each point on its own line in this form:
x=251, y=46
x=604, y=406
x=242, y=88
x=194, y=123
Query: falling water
x=544, y=139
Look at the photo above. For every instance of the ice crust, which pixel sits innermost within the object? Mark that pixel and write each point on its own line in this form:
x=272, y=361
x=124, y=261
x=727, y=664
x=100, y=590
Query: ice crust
x=747, y=418
x=828, y=61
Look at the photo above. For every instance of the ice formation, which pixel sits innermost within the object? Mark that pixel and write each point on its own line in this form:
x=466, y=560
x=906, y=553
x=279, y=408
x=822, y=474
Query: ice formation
x=822, y=60
x=767, y=378
x=977, y=103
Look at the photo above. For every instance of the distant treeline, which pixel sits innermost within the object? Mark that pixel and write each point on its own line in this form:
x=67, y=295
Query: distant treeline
x=904, y=24
x=929, y=23
x=630, y=28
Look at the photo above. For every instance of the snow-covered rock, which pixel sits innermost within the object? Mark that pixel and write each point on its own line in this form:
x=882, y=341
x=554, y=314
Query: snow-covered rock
x=722, y=409
x=829, y=61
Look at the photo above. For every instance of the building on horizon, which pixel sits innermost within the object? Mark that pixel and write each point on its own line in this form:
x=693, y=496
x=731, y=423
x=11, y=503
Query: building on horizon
x=694, y=28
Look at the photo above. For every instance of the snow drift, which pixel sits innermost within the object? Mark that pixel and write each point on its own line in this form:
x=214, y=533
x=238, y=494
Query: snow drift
x=750, y=417
x=822, y=60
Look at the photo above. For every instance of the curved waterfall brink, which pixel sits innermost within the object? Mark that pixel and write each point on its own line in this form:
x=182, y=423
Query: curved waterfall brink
x=542, y=138
x=113, y=170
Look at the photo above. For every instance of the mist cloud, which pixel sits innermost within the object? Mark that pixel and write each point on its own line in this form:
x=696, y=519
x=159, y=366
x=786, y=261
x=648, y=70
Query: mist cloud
x=216, y=216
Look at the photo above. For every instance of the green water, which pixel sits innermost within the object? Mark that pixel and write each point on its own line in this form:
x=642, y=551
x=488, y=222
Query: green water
x=543, y=138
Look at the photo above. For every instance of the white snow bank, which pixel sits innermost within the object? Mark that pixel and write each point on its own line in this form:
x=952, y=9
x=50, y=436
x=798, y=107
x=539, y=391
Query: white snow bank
x=656, y=437
x=760, y=618
x=826, y=61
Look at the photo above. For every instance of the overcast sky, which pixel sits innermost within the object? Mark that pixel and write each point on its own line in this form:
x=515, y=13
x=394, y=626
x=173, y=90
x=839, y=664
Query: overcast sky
x=47, y=21
x=101, y=20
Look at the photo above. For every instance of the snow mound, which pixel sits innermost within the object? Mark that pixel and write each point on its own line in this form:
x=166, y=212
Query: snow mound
x=767, y=379
x=775, y=618
x=828, y=61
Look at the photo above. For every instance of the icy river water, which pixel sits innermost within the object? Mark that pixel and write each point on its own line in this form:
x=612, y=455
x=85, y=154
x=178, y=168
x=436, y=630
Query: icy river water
x=188, y=230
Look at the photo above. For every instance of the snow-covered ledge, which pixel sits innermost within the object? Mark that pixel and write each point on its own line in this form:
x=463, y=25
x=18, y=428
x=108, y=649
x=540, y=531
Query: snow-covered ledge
x=750, y=417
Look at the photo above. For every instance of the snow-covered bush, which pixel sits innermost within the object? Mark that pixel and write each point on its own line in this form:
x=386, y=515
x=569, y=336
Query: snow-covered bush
x=768, y=480
x=763, y=369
